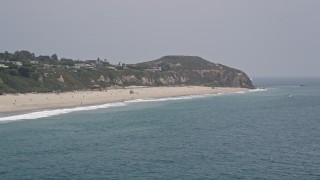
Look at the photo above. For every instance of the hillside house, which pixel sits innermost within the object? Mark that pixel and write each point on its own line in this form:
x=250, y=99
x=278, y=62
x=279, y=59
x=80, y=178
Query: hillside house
x=84, y=65
x=155, y=69
x=79, y=65
x=94, y=62
x=18, y=63
x=111, y=68
x=34, y=62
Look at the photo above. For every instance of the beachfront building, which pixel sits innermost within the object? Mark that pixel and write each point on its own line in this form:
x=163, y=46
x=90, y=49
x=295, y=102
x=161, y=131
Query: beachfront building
x=97, y=87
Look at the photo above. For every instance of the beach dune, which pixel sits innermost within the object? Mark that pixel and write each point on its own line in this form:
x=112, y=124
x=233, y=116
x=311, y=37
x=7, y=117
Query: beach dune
x=38, y=101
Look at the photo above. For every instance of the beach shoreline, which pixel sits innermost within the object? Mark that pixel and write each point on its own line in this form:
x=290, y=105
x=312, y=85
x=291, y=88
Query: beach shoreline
x=14, y=103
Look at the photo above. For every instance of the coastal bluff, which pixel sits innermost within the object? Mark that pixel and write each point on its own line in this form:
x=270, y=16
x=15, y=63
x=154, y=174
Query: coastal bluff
x=27, y=73
x=194, y=70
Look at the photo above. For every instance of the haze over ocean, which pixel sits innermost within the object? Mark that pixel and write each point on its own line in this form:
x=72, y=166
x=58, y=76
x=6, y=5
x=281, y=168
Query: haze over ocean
x=272, y=134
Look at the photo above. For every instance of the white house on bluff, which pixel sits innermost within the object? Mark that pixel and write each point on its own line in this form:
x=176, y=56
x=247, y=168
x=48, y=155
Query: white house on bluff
x=18, y=63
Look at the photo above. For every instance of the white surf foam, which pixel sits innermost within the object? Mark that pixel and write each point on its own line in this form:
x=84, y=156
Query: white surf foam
x=165, y=99
x=241, y=92
x=258, y=90
x=49, y=113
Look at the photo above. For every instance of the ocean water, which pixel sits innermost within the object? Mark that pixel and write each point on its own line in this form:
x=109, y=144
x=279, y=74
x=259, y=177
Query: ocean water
x=265, y=134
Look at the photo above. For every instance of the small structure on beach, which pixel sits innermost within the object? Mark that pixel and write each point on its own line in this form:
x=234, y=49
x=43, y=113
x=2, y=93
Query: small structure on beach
x=96, y=87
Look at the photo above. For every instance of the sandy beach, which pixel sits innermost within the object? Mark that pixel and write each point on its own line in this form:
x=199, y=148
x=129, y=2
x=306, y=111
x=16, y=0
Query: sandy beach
x=37, y=101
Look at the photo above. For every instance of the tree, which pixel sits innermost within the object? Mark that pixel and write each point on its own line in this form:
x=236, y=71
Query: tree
x=44, y=59
x=24, y=71
x=22, y=56
x=6, y=55
x=54, y=57
x=68, y=62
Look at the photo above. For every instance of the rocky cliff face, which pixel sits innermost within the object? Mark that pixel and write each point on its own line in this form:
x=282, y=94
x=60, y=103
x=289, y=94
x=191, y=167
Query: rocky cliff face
x=193, y=70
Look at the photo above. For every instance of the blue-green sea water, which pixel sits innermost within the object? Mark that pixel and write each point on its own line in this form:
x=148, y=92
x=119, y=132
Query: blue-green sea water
x=272, y=134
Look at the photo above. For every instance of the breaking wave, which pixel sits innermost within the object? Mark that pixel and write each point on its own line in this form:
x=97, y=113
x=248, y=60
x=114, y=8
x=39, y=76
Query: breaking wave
x=54, y=112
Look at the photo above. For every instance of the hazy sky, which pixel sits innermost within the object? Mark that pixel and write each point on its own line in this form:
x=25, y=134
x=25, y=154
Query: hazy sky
x=260, y=37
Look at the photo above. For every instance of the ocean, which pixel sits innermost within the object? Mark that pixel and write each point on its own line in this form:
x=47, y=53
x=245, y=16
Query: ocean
x=271, y=133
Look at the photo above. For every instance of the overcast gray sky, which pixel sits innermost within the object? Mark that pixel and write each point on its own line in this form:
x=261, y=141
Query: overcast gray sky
x=260, y=37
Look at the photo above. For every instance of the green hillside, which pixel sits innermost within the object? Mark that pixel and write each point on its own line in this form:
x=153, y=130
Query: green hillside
x=23, y=72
